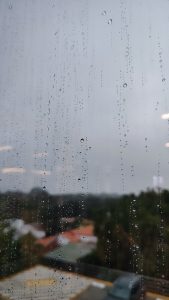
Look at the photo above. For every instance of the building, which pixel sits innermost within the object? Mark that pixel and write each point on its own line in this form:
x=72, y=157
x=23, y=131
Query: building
x=81, y=234
x=48, y=244
x=70, y=254
x=42, y=282
x=20, y=229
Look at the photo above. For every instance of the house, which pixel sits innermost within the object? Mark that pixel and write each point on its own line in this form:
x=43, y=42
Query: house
x=20, y=229
x=80, y=234
x=48, y=243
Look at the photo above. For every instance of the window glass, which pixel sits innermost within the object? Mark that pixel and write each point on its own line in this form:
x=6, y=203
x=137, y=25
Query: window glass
x=135, y=289
x=84, y=146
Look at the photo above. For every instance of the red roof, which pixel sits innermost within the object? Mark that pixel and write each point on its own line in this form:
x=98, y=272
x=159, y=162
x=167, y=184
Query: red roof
x=84, y=230
x=45, y=242
x=74, y=235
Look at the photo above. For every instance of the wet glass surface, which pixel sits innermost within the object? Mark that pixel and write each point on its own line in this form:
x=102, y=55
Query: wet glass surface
x=84, y=141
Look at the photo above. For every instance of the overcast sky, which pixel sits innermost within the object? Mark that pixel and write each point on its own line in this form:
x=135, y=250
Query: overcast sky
x=84, y=95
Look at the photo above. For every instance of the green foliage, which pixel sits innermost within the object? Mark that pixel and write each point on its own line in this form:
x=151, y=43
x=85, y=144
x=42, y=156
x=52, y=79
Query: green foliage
x=9, y=251
x=114, y=226
x=29, y=251
x=15, y=255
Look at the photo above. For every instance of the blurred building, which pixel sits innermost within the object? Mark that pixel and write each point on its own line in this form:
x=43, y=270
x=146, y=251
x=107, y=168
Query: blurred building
x=70, y=254
x=42, y=282
x=81, y=234
x=48, y=243
x=20, y=229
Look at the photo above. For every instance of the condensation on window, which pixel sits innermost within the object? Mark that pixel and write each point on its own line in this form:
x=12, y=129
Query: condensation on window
x=84, y=141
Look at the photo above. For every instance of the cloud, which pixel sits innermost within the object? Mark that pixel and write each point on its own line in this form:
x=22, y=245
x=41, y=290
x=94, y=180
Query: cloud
x=22, y=170
x=41, y=172
x=13, y=170
x=165, y=116
x=5, y=148
x=67, y=168
x=40, y=154
x=158, y=181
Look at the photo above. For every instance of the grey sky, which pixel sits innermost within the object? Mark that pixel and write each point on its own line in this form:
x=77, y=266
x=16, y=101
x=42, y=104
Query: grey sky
x=83, y=85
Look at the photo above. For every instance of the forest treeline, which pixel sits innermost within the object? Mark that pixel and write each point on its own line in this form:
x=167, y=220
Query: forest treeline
x=132, y=230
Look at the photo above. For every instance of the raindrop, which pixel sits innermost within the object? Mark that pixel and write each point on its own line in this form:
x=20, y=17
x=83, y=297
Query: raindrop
x=125, y=85
x=103, y=12
x=110, y=21
x=81, y=140
x=10, y=6
x=163, y=79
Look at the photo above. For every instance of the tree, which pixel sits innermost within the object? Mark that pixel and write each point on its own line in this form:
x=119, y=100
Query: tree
x=30, y=252
x=9, y=251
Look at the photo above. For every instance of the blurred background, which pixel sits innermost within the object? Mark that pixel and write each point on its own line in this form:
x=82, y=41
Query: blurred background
x=84, y=139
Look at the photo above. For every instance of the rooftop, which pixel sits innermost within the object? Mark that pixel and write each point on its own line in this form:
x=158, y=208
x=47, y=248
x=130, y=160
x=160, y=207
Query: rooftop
x=47, y=241
x=71, y=252
x=77, y=234
x=128, y=280
x=45, y=283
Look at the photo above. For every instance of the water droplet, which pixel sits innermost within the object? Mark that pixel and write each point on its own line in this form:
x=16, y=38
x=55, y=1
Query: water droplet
x=163, y=79
x=110, y=21
x=103, y=12
x=81, y=140
x=125, y=85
